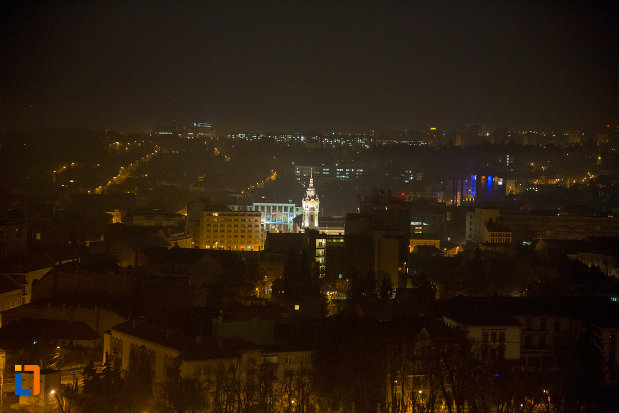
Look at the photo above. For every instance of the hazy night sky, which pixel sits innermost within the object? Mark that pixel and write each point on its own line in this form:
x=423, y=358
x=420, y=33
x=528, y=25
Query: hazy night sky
x=309, y=66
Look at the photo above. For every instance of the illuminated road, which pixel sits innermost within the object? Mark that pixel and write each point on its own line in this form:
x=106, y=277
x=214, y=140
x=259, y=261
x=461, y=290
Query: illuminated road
x=260, y=184
x=126, y=171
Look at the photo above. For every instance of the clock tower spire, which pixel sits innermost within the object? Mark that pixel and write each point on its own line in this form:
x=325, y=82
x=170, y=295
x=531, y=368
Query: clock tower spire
x=311, y=205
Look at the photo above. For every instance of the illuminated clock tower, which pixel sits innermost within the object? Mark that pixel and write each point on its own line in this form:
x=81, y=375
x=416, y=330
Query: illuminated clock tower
x=311, y=206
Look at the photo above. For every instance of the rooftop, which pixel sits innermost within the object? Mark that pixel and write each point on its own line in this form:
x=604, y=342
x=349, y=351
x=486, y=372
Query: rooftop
x=502, y=310
x=26, y=332
x=9, y=283
x=284, y=242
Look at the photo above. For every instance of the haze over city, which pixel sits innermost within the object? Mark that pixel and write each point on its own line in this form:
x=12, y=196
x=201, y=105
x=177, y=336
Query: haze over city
x=309, y=66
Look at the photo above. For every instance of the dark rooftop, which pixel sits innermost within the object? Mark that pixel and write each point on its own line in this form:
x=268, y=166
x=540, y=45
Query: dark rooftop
x=284, y=242
x=24, y=332
x=26, y=263
x=9, y=283
x=425, y=236
x=427, y=250
x=490, y=310
x=190, y=348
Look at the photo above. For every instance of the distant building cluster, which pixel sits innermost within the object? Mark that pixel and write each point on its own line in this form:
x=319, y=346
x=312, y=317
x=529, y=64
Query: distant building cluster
x=471, y=134
x=327, y=174
x=195, y=130
x=304, y=139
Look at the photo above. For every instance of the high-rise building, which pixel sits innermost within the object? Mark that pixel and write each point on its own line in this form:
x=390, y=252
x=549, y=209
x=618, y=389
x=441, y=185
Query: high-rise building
x=311, y=206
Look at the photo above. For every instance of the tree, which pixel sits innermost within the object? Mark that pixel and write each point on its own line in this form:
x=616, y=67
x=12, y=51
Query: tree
x=453, y=365
x=299, y=279
x=266, y=394
x=101, y=392
x=182, y=395
x=583, y=382
x=140, y=375
x=296, y=390
x=362, y=286
x=350, y=366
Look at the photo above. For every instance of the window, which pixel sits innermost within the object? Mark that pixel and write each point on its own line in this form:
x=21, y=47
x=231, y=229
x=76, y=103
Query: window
x=484, y=337
x=502, y=337
x=493, y=337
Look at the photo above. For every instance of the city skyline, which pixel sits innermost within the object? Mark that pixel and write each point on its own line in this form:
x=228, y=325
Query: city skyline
x=302, y=207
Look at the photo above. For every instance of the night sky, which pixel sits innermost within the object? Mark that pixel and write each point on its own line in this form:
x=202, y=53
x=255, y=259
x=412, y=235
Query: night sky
x=309, y=66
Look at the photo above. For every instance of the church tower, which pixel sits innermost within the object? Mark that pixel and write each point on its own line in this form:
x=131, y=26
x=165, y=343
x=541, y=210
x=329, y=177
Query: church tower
x=311, y=206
